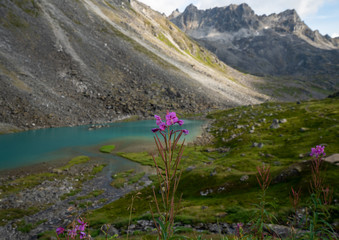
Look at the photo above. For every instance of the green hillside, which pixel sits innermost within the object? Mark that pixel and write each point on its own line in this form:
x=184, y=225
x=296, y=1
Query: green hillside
x=225, y=170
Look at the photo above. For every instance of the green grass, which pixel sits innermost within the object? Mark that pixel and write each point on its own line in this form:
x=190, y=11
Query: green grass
x=128, y=177
x=30, y=181
x=232, y=200
x=15, y=213
x=136, y=178
x=93, y=194
x=70, y=194
x=75, y=161
x=27, y=227
x=107, y=148
x=164, y=39
x=97, y=169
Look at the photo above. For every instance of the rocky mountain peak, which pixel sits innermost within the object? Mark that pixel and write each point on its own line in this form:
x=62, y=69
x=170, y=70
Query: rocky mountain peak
x=174, y=14
x=231, y=18
x=243, y=8
x=279, y=44
x=290, y=13
x=191, y=8
x=291, y=18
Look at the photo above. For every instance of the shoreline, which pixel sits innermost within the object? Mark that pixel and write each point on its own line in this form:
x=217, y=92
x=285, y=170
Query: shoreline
x=125, y=145
x=8, y=128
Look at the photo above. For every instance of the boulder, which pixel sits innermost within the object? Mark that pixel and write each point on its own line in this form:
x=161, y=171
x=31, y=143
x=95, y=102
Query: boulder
x=334, y=159
x=244, y=178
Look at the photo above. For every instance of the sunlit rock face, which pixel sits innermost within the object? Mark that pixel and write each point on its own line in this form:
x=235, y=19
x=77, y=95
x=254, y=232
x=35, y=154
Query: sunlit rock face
x=278, y=44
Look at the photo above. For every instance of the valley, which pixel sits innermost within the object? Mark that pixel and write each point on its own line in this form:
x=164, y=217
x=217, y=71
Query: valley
x=266, y=88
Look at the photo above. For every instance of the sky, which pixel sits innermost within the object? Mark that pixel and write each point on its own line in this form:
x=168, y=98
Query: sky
x=322, y=15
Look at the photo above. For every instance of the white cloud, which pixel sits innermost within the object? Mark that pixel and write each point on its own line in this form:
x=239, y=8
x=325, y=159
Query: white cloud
x=335, y=35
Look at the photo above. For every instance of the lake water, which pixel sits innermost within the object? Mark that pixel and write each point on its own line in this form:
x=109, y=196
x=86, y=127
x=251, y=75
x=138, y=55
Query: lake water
x=43, y=145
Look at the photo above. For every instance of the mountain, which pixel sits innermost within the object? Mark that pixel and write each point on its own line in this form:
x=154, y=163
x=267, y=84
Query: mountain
x=279, y=45
x=94, y=61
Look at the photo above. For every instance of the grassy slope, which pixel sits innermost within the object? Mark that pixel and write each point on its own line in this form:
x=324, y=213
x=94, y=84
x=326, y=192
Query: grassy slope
x=233, y=200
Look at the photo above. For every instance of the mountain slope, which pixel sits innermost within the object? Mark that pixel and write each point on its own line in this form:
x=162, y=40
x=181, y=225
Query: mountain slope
x=275, y=45
x=91, y=61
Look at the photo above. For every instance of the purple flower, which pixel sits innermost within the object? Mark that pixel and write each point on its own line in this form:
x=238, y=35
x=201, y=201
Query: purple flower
x=158, y=119
x=82, y=235
x=318, y=151
x=171, y=118
x=155, y=129
x=82, y=225
x=72, y=233
x=162, y=126
x=185, y=131
x=180, y=122
x=60, y=230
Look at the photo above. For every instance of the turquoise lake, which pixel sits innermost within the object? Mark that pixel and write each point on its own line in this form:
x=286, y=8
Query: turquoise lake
x=43, y=145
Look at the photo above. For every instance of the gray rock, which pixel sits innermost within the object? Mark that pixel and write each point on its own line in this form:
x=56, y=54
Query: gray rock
x=190, y=168
x=284, y=120
x=56, y=170
x=275, y=124
x=303, y=129
x=110, y=230
x=214, y=228
x=279, y=230
x=206, y=192
x=333, y=159
x=213, y=173
x=244, y=178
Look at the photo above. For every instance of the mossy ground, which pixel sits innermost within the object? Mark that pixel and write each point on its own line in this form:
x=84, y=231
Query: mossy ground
x=218, y=167
x=75, y=161
x=107, y=148
x=30, y=181
x=126, y=177
x=231, y=200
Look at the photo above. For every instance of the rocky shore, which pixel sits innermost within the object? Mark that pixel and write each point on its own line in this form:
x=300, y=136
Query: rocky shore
x=55, y=202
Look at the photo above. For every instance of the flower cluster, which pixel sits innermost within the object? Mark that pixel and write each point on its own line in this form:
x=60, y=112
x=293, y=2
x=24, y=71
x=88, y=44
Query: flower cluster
x=171, y=119
x=318, y=151
x=76, y=229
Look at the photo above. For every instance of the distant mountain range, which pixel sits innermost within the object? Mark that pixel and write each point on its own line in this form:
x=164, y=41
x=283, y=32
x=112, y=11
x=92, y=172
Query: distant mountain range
x=275, y=45
x=95, y=61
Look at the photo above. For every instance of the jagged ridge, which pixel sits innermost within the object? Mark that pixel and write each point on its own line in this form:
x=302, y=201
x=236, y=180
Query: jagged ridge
x=278, y=44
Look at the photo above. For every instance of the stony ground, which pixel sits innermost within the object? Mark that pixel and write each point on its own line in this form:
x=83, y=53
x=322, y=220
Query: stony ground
x=60, y=200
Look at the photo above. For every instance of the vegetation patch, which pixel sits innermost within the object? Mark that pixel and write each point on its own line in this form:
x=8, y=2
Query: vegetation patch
x=15, y=213
x=93, y=194
x=164, y=39
x=97, y=169
x=136, y=178
x=27, y=227
x=30, y=181
x=107, y=148
x=126, y=177
x=75, y=161
x=70, y=194
x=219, y=180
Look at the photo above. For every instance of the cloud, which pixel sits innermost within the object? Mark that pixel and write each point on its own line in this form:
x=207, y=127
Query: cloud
x=333, y=35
